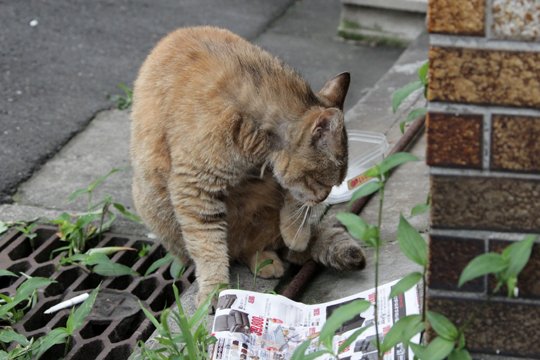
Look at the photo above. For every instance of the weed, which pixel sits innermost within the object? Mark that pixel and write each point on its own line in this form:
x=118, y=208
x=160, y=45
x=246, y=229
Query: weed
x=145, y=249
x=76, y=230
x=125, y=100
x=28, y=349
x=404, y=92
x=12, y=308
x=190, y=343
x=97, y=261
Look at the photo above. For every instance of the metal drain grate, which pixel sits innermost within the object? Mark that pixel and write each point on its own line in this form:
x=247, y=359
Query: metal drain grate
x=100, y=338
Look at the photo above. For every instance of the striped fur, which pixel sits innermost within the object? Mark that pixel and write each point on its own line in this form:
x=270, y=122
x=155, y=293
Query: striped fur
x=209, y=111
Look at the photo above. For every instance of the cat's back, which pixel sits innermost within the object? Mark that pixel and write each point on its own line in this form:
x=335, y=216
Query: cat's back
x=198, y=62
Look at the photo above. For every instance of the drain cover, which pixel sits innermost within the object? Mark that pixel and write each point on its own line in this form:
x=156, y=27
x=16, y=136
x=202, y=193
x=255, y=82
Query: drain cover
x=116, y=322
x=114, y=305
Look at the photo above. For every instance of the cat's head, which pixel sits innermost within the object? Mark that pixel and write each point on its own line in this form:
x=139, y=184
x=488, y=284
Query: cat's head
x=314, y=157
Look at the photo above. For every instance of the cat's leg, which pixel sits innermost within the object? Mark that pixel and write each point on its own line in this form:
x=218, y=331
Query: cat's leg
x=153, y=205
x=275, y=269
x=332, y=247
x=201, y=213
x=294, y=224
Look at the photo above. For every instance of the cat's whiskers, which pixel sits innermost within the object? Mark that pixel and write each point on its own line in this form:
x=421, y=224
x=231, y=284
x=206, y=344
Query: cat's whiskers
x=308, y=210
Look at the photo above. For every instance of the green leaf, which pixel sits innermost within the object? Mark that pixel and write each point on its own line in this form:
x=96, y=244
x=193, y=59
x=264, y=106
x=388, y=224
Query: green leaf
x=177, y=268
x=77, y=193
x=3, y=227
x=395, y=160
x=352, y=338
x=423, y=73
x=442, y=326
x=28, y=287
x=389, y=163
x=91, y=259
x=127, y=214
x=356, y=226
x=339, y=316
x=111, y=268
x=53, y=337
x=365, y=190
x=152, y=319
x=518, y=255
x=300, y=352
x=405, y=284
x=77, y=317
x=166, y=260
x=420, y=209
x=413, y=115
x=459, y=354
x=411, y=242
x=419, y=351
x=9, y=335
x=481, y=265
x=438, y=349
x=94, y=184
x=7, y=273
x=399, y=331
x=402, y=93
x=108, y=250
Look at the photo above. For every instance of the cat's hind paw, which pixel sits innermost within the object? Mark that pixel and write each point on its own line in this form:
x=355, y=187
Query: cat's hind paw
x=265, y=269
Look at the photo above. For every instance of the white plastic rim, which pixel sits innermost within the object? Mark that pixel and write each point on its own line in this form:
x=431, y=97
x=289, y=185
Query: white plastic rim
x=359, y=162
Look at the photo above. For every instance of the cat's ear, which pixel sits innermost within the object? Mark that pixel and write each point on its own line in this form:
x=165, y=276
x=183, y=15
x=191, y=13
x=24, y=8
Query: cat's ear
x=335, y=90
x=327, y=129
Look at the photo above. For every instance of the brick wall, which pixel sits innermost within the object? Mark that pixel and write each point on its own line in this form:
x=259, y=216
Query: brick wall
x=483, y=130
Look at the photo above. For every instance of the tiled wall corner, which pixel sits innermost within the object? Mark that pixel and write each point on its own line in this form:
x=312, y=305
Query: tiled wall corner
x=483, y=147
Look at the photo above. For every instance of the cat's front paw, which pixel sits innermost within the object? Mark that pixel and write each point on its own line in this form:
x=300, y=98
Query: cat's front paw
x=350, y=257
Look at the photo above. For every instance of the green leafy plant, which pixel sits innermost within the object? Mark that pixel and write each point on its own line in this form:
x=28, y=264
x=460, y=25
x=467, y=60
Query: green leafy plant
x=144, y=250
x=506, y=266
x=124, y=100
x=97, y=261
x=370, y=234
x=12, y=308
x=76, y=230
x=29, y=349
x=191, y=343
x=176, y=267
x=404, y=92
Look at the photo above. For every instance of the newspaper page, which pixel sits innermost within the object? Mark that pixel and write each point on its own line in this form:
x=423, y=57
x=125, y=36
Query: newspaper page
x=251, y=325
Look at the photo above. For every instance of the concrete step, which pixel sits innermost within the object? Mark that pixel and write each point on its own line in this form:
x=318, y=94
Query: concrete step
x=395, y=22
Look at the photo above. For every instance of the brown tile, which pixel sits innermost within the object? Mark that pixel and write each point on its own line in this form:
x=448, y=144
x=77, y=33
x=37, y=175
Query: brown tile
x=464, y=17
x=448, y=257
x=484, y=76
x=483, y=203
x=529, y=278
x=515, y=143
x=504, y=328
x=454, y=140
x=516, y=19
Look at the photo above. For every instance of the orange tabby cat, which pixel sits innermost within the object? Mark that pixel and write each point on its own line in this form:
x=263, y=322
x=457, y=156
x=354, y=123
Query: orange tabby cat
x=210, y=110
